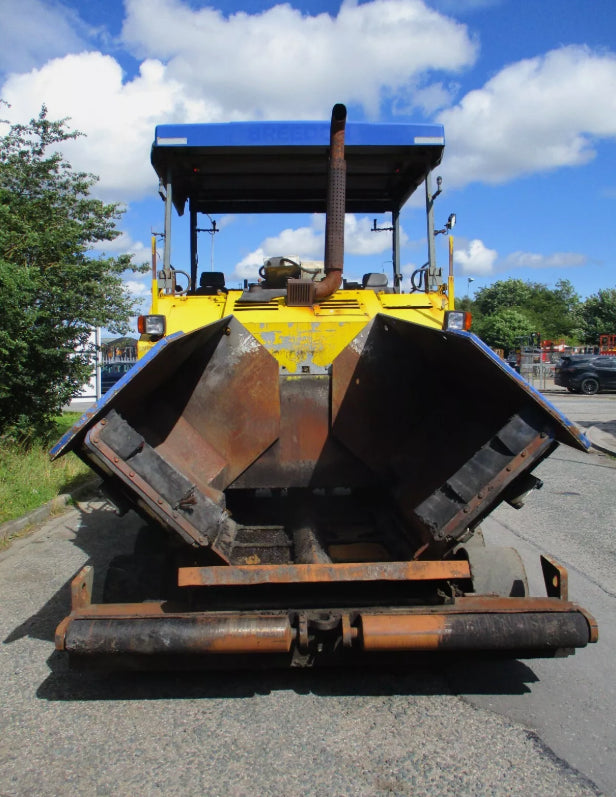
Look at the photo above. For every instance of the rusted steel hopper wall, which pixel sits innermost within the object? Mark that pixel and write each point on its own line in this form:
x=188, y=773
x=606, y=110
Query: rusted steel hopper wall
x=414, y=404
x=408, y=414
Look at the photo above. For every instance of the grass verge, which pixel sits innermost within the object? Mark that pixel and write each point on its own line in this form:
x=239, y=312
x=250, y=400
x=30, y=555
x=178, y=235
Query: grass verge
x=28, y=479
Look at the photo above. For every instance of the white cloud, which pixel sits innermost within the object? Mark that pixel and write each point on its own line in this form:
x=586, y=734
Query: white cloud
x=535, y=115
x=34, y=31
x=248, y=267
x=555, y=260
x=309, y=243
x=430, y=98
x=118, y=117
x=124, y=245
x=476, y=258
x=306, y=242
x=138, y=286
x=359, y=239
x=408, y=268
x=205, y=67
x=282, y=63
x=141, y=293
x=138, y=290
x=303, y=242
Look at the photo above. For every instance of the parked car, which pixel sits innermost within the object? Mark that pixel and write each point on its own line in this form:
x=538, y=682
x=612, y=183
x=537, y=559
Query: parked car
x=586, y=373
x=111, y=373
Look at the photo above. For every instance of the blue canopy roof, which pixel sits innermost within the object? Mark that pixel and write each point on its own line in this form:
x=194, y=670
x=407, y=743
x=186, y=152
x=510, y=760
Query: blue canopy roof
x=281, y=167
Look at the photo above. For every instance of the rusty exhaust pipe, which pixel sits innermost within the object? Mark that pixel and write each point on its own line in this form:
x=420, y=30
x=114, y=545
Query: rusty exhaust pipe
x=336, y=205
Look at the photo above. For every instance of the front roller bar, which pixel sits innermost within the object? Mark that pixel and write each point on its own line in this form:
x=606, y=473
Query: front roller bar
x=489, y=631
x=535, y=626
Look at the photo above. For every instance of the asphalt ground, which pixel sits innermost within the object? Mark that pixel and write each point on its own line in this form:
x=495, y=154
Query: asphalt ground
x=515, y=729
x=362, y=732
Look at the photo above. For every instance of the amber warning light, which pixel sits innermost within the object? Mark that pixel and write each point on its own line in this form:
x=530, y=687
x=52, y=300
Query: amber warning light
x=153, y=325
x=457, y=319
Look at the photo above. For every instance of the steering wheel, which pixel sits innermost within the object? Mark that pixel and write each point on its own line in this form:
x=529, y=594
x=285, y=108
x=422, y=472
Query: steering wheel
x=417, y=277
x=187, y=288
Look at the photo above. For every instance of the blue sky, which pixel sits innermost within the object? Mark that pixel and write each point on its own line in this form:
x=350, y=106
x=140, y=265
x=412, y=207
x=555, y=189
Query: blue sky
x=526, y=90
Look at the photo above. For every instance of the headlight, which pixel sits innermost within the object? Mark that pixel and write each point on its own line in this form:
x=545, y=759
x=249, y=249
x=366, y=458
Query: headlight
x=153, y=325
x=457, y=319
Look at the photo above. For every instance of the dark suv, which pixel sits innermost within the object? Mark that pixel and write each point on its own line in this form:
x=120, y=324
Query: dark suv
x=586, y=373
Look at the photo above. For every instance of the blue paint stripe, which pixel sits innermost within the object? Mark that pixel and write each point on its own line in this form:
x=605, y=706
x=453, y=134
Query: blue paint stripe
x=267, y=134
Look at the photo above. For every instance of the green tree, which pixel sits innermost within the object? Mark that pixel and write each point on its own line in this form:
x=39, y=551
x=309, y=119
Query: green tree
x=503, y=328
x=464, y=303
x=503, y=294
x=562, y=317
x=53, y=287
x=598, y=315
x=553, y=312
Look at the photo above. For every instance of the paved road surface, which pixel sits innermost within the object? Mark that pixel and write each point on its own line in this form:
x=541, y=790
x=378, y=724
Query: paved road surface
x=517, y=728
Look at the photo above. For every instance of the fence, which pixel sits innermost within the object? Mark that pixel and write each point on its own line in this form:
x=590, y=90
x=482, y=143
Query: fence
x=536, y=371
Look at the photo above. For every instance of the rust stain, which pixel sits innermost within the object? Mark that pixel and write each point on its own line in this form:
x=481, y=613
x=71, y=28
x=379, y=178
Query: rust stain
x=402, y=632
x=314, y=573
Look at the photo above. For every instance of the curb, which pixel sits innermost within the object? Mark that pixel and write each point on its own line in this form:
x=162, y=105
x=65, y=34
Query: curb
x=602, y=441
x=54, y=507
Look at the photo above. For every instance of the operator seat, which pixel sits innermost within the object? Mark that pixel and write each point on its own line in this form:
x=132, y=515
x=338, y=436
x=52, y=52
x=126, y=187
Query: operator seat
x=211, y=283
